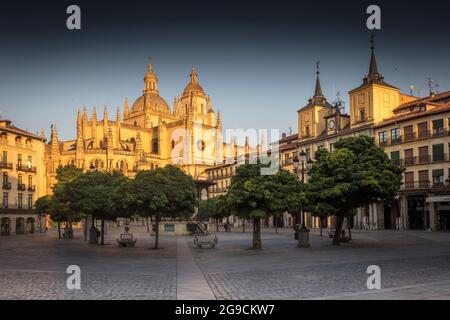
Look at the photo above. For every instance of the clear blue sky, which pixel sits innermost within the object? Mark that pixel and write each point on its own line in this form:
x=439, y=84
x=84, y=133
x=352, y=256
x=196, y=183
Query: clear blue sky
x=255, y=59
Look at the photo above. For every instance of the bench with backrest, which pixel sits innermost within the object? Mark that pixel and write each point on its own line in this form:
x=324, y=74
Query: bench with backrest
x=126, y=240
x=205, y=241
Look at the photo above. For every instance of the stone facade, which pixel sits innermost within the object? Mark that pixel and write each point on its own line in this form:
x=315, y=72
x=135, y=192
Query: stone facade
x=23, y=179
x=148, y=135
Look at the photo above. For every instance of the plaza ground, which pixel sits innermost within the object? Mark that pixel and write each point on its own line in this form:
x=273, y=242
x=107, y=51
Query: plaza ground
x=414, y=265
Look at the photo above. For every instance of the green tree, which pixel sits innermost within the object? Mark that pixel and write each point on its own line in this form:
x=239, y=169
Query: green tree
x=91, y=193
x=164, y=192
x=256, y=196
x=216, y=208
x=356, y=173
x=63, y=176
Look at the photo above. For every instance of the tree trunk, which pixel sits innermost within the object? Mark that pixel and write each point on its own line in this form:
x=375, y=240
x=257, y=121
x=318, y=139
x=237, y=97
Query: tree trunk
x=85, y=229
x=157, y=218
x=148, y=225
x=102, y=240
x=349, y=229
x=243, y=225
x=217, y=224
x=276, y=224
x=257, y=234
x=337, y=233
x=59, y=230
x=321, y=225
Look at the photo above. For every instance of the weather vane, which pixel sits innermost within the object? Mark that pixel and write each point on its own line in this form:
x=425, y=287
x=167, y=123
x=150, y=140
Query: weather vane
x=372, y=40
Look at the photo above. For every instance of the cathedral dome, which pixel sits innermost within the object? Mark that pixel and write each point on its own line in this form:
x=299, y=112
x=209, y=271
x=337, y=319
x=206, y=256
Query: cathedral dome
x=193, y=86
x=156, y=103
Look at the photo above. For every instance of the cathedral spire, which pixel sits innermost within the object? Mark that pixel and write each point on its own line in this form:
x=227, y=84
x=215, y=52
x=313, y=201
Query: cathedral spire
x=219, y=120
x=150, y=80
x=118, y=116
x=193, y=75
x=126, y=109
x=94, y=116
x=54, y=139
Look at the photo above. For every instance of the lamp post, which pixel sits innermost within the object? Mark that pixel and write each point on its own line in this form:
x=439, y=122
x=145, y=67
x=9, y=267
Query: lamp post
x=303, y=232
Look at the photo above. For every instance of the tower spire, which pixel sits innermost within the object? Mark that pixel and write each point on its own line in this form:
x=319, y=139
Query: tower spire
x=193, y=75
x=318, y=90
x=150, y=80
x=374, y=76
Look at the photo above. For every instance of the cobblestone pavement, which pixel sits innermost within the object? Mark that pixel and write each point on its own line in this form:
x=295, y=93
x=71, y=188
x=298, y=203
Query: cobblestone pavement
x=34, y=267
x=414, y=265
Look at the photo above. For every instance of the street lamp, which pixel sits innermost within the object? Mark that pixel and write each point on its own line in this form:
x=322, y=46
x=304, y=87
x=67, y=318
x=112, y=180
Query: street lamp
x=295, y=163
x=302, y=158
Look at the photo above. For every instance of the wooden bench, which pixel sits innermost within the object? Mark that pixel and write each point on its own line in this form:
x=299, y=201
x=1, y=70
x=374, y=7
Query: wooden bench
x=126, y=240
x=201, y=242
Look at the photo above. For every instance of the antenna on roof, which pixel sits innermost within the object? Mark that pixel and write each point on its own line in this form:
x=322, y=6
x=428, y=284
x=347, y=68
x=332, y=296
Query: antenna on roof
x=339, y=104
x=432, y=86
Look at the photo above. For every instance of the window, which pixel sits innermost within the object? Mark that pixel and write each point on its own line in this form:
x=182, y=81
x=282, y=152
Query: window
x=395, y=134
x=438, y=152
x=383, y=137
x=362, y=114
x=29, y=162
x=423, y=129
x=30, y=201
x=5, y=157
x=19, y=179
x=169, y=227
x=438, y=177
x=438, y=127
x=308, y=154
x=19, y=160
x=155, y=146
x=408, y=132
x=409, y=180
x=423, y=179
x=409, y=157
x=5, y=200
x=423, y=154
x=395, y=157
x=306, y=131
x=5, y=179
x=331, y=147
x=19, y=200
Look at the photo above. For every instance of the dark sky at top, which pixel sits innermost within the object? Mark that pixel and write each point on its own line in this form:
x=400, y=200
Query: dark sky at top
x=255, y=58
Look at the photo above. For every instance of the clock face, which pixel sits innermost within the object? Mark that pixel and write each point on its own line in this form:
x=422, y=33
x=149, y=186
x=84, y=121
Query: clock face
x=331, y=124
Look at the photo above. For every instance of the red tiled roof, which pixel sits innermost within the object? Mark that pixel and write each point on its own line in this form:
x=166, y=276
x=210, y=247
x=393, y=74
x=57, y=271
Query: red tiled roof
x=415, y=114
x=440, y=97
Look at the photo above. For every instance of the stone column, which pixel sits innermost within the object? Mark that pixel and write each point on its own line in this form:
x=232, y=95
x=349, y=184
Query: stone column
x=432, y=210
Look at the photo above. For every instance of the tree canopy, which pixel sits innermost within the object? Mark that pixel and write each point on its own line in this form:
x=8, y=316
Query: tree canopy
x=356, y=173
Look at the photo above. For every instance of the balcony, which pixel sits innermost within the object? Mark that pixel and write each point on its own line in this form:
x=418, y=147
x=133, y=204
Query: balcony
x=423, y=134
x=6, y=186
x=21, y=187
x=439, y=132
x=425, y=185
x=6, y=165
x=410, y=136
x=27, y=168
x=396, y=140
x=31, y=188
